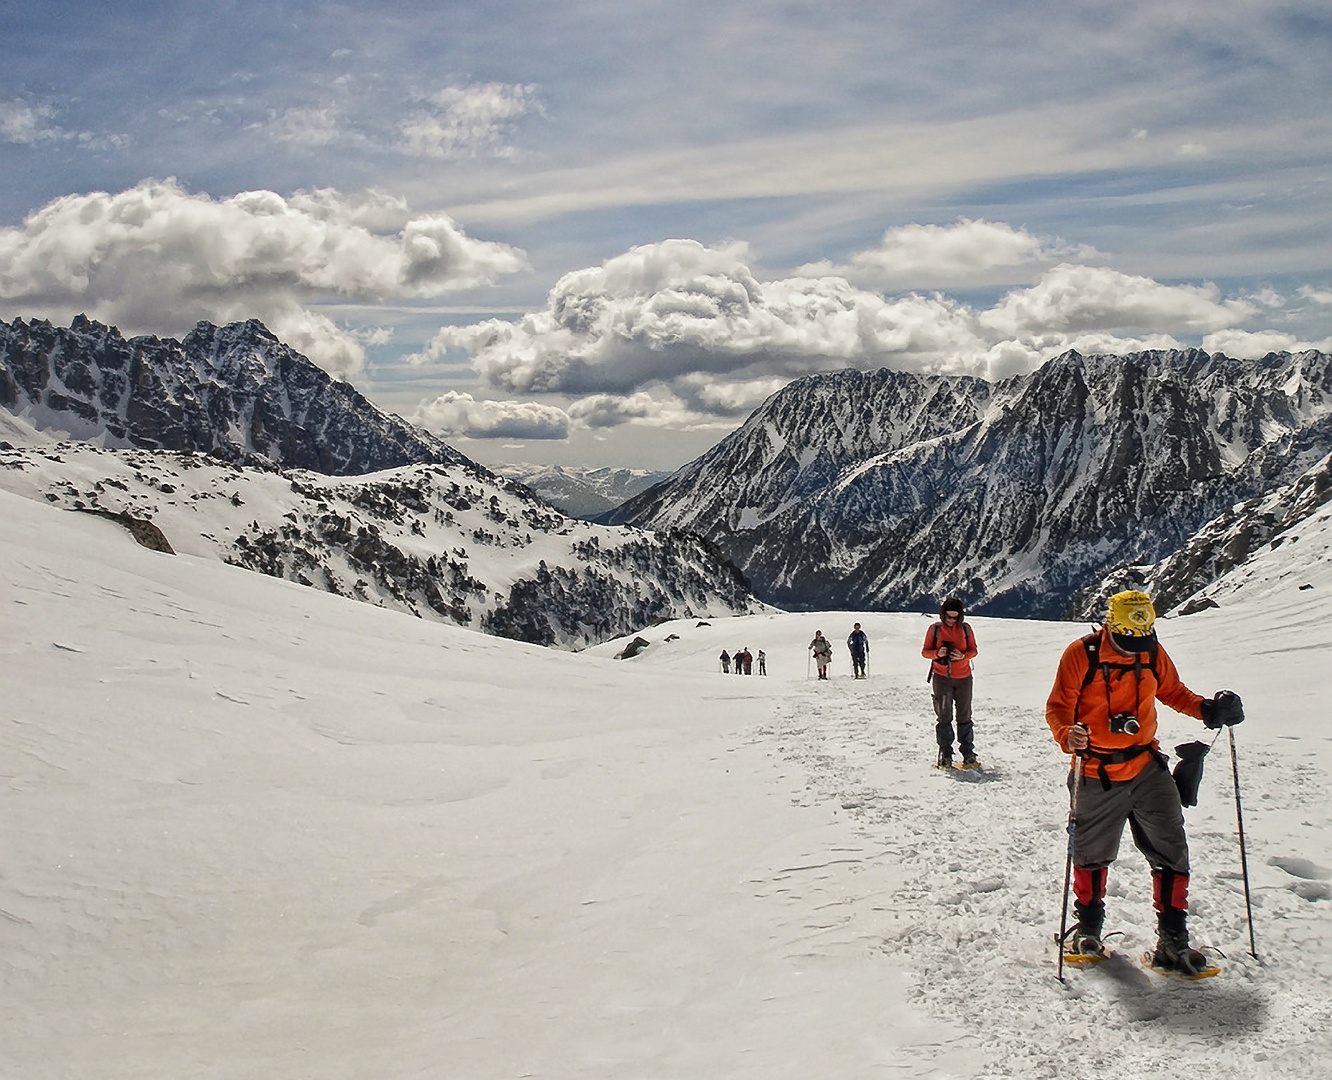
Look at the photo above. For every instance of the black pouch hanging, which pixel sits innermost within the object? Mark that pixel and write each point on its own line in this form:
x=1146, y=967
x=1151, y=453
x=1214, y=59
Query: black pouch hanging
x=1189, y=771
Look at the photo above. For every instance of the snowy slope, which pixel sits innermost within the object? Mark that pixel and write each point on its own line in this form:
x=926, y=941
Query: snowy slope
x=254, y=830
x=447, y=542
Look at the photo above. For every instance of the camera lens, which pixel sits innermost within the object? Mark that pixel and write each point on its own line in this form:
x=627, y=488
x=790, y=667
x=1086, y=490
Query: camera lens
x=1124, y=724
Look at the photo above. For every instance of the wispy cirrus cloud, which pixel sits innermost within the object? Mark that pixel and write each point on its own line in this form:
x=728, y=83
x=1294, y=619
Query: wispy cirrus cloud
x=26, y=123
x=456, y=122
x=466, y=121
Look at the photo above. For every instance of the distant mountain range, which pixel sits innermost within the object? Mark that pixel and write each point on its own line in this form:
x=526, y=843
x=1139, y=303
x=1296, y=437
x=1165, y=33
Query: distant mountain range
x=236, y=447
x=882, y=490
x=582, y=491
x=888, y=490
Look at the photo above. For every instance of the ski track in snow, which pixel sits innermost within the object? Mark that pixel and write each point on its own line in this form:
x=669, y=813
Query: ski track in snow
x=973, y=887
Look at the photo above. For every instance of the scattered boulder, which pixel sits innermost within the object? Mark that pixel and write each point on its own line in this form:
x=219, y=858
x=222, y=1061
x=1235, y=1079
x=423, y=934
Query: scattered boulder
x=632, y=649
x=143, y=530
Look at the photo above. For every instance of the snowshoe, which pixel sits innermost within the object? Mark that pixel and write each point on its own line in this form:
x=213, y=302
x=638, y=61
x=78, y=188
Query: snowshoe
x=1206, y=970
x=1174, y=955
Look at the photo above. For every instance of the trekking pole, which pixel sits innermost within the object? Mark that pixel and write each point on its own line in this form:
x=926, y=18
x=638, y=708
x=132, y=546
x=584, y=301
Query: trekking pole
x=1244, y=858
x=1068, y=862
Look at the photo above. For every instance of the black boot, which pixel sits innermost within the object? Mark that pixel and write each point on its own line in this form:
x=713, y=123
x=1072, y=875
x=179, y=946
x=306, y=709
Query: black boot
x=1173, y=951
x=1085, y=938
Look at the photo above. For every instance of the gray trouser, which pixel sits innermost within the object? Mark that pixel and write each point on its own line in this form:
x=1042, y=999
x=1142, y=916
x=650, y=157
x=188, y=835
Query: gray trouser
x=1149, y=803
x=953, y=695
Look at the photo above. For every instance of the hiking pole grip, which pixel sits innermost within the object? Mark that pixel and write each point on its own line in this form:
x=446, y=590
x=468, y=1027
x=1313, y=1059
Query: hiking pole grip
x=1244, y=857
x=1068, y=861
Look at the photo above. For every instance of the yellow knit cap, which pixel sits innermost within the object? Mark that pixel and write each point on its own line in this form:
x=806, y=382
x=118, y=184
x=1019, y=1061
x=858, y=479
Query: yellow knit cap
x=1130, y=613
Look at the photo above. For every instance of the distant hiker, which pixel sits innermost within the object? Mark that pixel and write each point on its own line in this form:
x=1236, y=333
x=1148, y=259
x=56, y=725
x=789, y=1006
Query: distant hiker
x=748, y=658
x=858, y=643
x=738, y=661
x=950, y=645
x=762, y=662
x=1102, y=710
x=726, y=662
x=821, y=647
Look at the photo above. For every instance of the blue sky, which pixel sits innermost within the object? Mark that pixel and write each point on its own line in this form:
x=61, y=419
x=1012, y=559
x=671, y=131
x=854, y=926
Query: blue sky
x=602, y=232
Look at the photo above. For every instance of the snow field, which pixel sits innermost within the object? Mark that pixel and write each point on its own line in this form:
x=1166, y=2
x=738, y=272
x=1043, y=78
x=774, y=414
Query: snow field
x=256, y=830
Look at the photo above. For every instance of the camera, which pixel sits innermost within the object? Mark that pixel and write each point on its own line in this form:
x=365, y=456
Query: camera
x=1124, y=723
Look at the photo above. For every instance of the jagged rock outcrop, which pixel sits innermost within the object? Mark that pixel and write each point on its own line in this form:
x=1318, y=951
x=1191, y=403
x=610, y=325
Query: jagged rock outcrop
x=887, y=490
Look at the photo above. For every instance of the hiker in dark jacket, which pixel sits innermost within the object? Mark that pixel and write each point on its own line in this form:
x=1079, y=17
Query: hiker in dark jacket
x=858, y=643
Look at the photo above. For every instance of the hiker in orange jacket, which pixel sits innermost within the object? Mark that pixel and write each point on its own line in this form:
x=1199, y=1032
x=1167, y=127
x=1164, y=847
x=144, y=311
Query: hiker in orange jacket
x=950, y=645
x=1102, y=708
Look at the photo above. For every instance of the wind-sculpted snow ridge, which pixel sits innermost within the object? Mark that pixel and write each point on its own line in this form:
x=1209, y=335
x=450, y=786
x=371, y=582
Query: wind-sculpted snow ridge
x=962, y=872
x=886, y=490
x=446, y=542
x=234, y=390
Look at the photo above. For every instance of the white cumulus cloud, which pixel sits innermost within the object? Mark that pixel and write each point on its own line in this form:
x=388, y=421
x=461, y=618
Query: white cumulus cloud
x=1072, y=299
x=156, y=259
x=453, y=413
x=611, y=410
x=1252, y=345
x=969, y=252
x=695, y=325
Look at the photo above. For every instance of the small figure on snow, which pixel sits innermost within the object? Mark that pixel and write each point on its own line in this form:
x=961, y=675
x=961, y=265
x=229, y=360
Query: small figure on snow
x=858, y=643
x=1102, y=709
x=762, y=662
x=821, y=647
x=748, y=659
x=950, y=646
x=726, y=662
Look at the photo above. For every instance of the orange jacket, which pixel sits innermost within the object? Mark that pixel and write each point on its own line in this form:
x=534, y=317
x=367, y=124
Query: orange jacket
x=963, y=640
x=1130, y=692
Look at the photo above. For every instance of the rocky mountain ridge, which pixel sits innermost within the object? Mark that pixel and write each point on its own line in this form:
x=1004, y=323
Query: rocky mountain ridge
x=885, y=490
x=231, y=390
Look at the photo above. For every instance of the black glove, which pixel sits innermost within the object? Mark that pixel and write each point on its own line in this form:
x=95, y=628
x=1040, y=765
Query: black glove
x=1189, y=771
x=1223, y=710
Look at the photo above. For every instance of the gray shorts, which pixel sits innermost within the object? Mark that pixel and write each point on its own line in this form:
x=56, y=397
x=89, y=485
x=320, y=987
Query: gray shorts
x=1149, y=803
